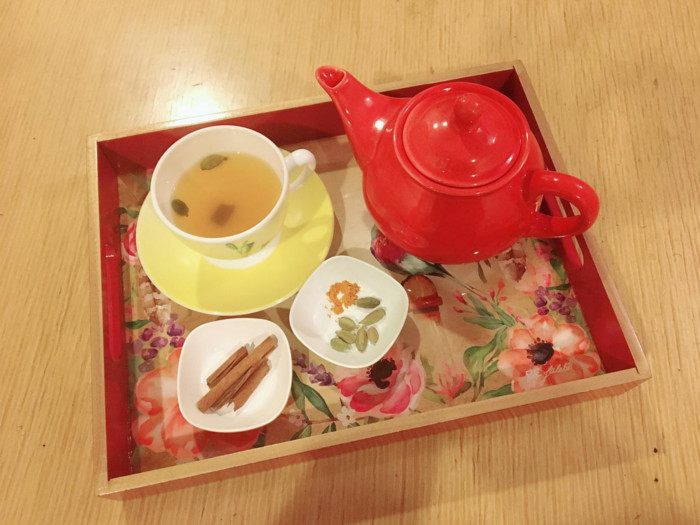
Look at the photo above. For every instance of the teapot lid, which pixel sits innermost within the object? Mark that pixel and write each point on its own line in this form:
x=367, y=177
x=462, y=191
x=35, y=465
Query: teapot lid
x=463, y=135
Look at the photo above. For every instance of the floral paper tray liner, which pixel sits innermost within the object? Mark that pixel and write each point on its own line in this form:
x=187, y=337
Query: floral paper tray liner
x=474, y=332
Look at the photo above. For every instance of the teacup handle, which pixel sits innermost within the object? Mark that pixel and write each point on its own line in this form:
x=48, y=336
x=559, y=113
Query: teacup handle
x=570, y=189
x=304, y=158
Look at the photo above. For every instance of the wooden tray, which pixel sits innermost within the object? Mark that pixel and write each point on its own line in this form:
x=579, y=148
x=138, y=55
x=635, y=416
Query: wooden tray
x=451, y=361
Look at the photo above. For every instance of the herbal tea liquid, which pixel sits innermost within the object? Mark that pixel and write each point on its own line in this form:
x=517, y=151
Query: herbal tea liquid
x=224, y=195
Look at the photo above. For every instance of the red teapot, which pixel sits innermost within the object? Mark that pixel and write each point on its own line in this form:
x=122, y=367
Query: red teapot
x=454, y=174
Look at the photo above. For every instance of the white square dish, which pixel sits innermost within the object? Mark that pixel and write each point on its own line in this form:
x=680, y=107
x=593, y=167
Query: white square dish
x=314, y=323
x=209, y=345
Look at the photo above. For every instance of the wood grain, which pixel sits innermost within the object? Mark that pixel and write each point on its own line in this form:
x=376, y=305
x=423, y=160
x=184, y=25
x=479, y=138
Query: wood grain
x=618, y=82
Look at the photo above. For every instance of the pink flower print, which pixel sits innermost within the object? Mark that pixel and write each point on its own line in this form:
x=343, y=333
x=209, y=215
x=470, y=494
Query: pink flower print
x=385, y=251
x=547, y=354
x=390, y=387
x=543, y=250
x=526, y=274
x=535, y=276
x=129, y=253
x=161, y=427
x=448, y=379
x=512, y=262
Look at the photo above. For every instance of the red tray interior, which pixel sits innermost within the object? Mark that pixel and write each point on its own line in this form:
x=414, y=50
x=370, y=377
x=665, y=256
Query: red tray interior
x=142, y=151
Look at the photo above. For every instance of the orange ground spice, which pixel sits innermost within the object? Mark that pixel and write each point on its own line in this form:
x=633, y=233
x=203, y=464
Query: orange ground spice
x=341, y=295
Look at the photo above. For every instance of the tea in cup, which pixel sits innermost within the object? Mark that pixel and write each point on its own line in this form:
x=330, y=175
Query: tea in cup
x=223, y=190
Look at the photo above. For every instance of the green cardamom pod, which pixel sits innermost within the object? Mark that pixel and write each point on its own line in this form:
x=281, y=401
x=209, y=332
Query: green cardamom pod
x=211, y=162
x=372, y=335
x=180, y=207
x=373, y=317
x=339, y=345
x=346, y=323
x=344, y=335
x=367, y=302
x=361, y=341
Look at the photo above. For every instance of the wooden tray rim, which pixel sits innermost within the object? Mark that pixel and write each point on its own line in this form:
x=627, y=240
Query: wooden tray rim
x=607, y=382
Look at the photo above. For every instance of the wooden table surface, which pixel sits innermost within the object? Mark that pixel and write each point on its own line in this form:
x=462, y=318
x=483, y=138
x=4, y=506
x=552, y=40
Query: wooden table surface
x=619, y=83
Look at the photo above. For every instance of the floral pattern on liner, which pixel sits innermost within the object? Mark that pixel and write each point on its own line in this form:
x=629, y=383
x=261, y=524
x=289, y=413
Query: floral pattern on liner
x=497, y=327
x=161, y=427
x=390, y=387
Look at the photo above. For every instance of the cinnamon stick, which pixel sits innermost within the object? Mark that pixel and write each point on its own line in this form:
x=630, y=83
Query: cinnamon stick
x=257, y=355
x=227, y=366
x=227, y=396
x=250, y=385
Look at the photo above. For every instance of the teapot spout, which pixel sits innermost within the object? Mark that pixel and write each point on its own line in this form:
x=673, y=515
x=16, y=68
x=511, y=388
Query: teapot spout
x=363, y=112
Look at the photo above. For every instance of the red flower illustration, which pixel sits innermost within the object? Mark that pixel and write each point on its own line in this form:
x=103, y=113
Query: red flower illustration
x=527, y=273
x=448, y=379
x=390, y=387
x=161, y=426
x=385, y=251
x=129, y=253
x=535, y=275
x=546, y=354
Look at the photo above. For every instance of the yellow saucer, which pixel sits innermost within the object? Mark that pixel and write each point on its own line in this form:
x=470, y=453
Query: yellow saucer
x=187, y=278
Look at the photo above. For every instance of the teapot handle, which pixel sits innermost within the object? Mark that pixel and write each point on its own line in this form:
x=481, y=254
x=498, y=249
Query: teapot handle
x=570, y=189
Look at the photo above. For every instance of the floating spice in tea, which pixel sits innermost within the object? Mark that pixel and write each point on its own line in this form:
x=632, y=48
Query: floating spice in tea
x=180, y=207
x=225, y=194
x=211, y=162
x=222, y=213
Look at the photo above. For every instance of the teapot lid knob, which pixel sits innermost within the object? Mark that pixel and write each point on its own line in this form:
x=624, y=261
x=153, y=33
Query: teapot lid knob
x=461, y=135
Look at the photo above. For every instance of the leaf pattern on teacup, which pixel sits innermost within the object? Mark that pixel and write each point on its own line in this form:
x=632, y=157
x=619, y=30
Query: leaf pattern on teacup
x=244, y=249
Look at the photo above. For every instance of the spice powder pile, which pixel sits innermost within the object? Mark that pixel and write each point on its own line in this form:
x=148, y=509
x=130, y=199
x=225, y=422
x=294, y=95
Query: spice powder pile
x=341, y=295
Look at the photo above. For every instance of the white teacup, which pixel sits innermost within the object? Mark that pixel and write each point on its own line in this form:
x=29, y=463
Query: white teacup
x=255, y=244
